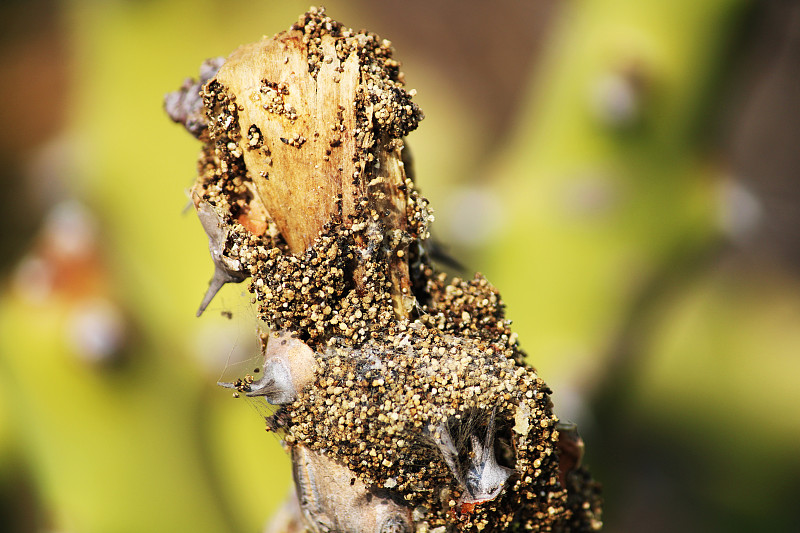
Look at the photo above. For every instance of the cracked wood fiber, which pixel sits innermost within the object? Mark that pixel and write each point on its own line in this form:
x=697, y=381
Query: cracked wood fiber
x=298, y=178
x=309, y=130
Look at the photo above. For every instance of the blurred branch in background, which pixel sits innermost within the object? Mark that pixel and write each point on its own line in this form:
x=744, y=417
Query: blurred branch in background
x=629, y=170
x=632, y=218
x=33, y=56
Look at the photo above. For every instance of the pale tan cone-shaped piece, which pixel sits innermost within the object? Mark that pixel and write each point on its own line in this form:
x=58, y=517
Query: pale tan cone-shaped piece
x=299, y=143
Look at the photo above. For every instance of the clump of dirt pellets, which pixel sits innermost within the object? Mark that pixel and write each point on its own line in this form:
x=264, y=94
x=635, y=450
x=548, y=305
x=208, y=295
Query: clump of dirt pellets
x=401, y=395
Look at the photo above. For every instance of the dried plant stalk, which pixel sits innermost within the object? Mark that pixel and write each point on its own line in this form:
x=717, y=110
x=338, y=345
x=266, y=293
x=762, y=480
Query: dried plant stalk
x=402, y=395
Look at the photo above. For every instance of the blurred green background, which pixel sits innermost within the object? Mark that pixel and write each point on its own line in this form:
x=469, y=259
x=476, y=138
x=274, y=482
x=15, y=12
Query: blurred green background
x=627, y=174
